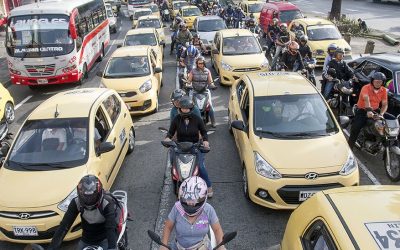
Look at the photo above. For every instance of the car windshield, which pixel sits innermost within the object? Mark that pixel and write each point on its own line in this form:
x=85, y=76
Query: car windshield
x=42, y=35
x=191, y=12
x=50, y=144
x=180, y=4
x=289, y=15
x=110, y=13
x=240, y=45
x=304, y=115
x=141, y=39
x=154, y=8
x=149, y=23
x=128, y=66
x=139, y=2
x=211, y=25
x=141, y=13
x=323, y=32
x=255, y=7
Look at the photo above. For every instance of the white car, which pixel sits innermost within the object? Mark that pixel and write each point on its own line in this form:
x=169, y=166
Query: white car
x=206, y=27
x=112, y=18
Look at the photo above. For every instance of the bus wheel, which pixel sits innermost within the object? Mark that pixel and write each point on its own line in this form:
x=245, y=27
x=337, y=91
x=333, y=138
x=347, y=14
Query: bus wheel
x=101, y=56
x=84, y=75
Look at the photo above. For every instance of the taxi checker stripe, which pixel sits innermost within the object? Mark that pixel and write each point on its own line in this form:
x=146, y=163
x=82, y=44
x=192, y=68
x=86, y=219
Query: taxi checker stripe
x=343, y=222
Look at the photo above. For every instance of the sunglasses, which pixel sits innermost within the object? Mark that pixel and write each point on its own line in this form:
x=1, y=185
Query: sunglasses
x=200, y=63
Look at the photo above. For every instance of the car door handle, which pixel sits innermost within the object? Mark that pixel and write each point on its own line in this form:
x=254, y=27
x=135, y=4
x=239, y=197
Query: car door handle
x=231, y=97
x=124, y=115
x=115, y=139
x=236, y=116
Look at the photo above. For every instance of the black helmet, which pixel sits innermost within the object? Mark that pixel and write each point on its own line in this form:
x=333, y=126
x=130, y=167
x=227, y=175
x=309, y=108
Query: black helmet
x=332, y=72
x=177, y=94
x=378, y=76
x=304, y=38
x=185, y=103
x=251, y=15
x=339, y=51
x=229, y=6
x=332, y=48
x=196, y=35
x=90, y=192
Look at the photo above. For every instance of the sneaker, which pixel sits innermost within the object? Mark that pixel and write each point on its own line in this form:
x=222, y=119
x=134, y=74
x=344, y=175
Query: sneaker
x=210, y=192
x=213, y=125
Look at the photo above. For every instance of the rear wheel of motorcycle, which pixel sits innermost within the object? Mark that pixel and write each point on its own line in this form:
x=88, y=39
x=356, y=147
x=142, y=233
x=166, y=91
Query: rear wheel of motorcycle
x=245, y=184
x=392, y=166
x=123, y=243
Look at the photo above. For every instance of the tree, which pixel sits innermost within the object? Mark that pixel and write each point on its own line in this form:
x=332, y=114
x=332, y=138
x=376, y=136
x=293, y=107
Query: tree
x=335, y=9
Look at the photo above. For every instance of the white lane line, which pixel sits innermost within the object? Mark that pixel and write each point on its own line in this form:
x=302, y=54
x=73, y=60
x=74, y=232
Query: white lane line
x=352, y=10
x=22, y=102
x=109, y=47
x=318, y=12
x=119, y=28
x=363, y=167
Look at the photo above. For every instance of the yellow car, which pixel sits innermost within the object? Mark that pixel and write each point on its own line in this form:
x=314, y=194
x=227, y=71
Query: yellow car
x=176, y=5
x=254, y=7
x=365, y=217
x=139, y=12
x=135, y=73
x=70, y=135
x=154, y=8
x=6, y=105
x=189, y=14
x=289, y=142
x=152, y=22
x=146, y=36
x=235, y=52
x=321, y=33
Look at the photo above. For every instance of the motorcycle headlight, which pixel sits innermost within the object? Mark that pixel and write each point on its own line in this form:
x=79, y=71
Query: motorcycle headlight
x=226, y=66
x=265, y=169
x=265, y=63
x=350, y=165
x=146, y=86
x=63, y=205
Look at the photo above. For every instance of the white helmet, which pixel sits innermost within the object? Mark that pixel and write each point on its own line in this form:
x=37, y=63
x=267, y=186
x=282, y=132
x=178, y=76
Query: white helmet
x=193, y=195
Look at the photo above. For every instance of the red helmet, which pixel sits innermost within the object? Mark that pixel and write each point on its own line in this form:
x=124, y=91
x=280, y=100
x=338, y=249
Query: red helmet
x=90, y=192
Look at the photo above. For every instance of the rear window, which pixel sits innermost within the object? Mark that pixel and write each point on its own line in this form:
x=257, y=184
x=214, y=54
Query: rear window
x=289, y=15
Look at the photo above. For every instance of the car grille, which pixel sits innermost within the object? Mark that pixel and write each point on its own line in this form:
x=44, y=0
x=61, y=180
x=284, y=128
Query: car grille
x=27, y=215
x=290, y=193
x=246, y=69
x=302, y=176
x=127, y=94
x=41, y=70
x=42, y=235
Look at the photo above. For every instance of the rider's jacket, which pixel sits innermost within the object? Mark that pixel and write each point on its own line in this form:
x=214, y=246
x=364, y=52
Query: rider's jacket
x=305, y=51
x=200, y=77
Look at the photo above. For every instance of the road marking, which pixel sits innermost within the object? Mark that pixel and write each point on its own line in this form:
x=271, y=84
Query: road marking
x=363, y=167
x=177, y=78
x=318, y=12
x=109, y=47
x=22, y=102
x=352, y=10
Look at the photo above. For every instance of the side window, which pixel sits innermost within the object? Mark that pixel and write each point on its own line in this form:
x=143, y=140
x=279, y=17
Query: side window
x=387, y=73
x=239, y=89
x=245, y=106
x=216, y=37
x=317, y=237
x=113, y=107
x=370, y=68
x=101, y=125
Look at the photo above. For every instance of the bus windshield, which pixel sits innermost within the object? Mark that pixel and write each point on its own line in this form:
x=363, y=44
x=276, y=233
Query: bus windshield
x=43, y=35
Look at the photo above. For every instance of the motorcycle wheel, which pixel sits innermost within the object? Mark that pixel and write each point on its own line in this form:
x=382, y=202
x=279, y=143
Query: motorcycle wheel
x=123, y=243
x=392, y=165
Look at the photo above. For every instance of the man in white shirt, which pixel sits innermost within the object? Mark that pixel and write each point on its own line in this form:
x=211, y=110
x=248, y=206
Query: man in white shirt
x=58, y=133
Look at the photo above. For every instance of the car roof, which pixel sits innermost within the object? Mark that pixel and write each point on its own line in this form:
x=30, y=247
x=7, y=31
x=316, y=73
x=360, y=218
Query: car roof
x=141, y=9
x=279, y=83
x=252, y=2
x=149, y=17
x=141, y=50
x=282, y=5
x=363, y=207
x=313, y=21
x=68, y=104
x=140, y=31
x=235, y=32
x=202, y=18
x=388, y=60
x=189, y=7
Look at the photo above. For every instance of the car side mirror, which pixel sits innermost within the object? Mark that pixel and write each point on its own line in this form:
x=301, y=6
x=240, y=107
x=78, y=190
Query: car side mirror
x=105, y=147
x=99, y=73
x=344, y=121
x=162, y=43
x=157, y=70
x=119, y=45
x=215, y=51
x=239, y=125
x=265, y=48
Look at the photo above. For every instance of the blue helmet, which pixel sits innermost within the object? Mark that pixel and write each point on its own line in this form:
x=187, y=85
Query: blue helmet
x=191, y=50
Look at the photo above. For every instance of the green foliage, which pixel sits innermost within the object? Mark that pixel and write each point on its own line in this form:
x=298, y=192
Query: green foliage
x=348, y=25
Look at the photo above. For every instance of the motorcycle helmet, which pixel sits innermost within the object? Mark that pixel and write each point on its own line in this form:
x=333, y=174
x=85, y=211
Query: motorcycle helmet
x=275, y=21
x=193, y=195
x=283, y=26
x=332, y=48
x=379, y=76
x=251, y=15
x=304, y=39
x=182, y=26
x=299, y=33
x=229, y=6
x=293, y=47
x=215, y=7
x=185, y=103
x=90, y=192
x=332, y=72
x=177, y=94
x=191, y=51
x=196, y=35
x=200, y=59
x=178, y=19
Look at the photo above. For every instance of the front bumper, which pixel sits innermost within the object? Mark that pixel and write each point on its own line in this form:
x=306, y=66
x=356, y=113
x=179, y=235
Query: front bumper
x=69, y=77
x=229, y=77
x=284, y=193
x=140, y=103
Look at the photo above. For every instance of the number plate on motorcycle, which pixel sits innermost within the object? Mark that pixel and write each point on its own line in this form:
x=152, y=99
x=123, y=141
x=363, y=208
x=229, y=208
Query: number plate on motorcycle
x=385, y=234
x=304, y=195
x=25, y=231
x=42, y=81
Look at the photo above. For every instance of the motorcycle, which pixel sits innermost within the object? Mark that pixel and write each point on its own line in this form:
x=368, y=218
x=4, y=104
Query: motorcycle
x=5, y=138
x=310, y=64
x=380, y=135
x=165, y=15
x=341, y=100
x=229, y=21
x=122, y=242
x=225, y=239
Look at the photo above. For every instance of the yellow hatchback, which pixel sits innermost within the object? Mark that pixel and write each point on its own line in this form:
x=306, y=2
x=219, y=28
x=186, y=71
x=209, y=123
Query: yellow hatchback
x=70, y=135
x=289, y=142
x=189, y=14
x=252, y=7
x=365, y=217
x=7, y=111
x=176, y=5
x=154, y=8
x=152, y=22
x=235, y=52
x=139, y=12
x=136, y=74
x=146, y=36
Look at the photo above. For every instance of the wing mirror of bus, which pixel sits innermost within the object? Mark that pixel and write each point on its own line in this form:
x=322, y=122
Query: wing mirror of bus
x=157, y=70
x=119, y=45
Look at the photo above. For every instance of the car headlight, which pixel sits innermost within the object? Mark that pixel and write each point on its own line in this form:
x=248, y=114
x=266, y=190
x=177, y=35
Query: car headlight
x=265, y=169
x=146, y=86
x=318, y=52
x=226, y=66
x=350, y=165
x=265, y=63
x=63, y=205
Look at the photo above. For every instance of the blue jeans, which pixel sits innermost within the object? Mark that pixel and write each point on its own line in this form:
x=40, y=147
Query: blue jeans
x=328, y=89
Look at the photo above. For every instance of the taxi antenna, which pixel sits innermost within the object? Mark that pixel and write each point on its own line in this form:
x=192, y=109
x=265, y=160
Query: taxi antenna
x=56, y=114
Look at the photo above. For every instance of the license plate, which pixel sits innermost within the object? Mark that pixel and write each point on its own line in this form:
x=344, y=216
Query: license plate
x=25, y=231
x=42, y=81
x=304, y=195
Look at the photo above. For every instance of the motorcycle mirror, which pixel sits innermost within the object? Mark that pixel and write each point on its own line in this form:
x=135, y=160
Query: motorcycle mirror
x=225, y=239
x=35, y=247
x=168, y=144
x=156, y=238
x=344, y=121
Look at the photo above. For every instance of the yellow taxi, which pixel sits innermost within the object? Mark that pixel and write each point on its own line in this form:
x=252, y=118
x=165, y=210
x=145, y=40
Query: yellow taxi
x=139, y=12
x=146, y=36
x=252, y=7
x=136, y=74
x=289, y=142
x=70, y=135
x=176, y=5
x=6, y=105
x=189, y=14
x=235, y=52
x=321, y=33
x=152, y=22
x=154, y=8
x=364, y=217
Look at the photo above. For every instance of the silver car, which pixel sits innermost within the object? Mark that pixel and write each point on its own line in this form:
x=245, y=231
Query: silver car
x=206, y=27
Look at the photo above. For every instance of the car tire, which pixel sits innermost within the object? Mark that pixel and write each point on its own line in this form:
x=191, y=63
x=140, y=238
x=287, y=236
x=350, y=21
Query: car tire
x=230, y=123
x=156, y=108
x=245, y=184
x=84, y=75
x=9, y=112
x=132, y=141
x=101, y=56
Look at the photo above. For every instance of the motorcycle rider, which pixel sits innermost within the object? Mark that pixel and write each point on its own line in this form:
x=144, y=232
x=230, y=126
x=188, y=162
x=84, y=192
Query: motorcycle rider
x=343, y=72
x=184, y=35
x=238, y=16
x=304, y=49
x=282, y=40
x=188, y=128
x=228, y=14
x=291, y=58
x=175, y=27
x=175, y=97
x=98, y=211
x=191, y=218
x=198, y=43
x=251, y=21
x=204, y=7
x=330, y=53
x=200, y=75
x=272, y=33
x=188, y=57
x=216, y=11
x=372, y=96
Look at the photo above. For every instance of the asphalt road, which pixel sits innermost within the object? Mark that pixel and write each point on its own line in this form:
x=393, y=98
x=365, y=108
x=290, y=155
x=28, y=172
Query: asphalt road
x=142, y=174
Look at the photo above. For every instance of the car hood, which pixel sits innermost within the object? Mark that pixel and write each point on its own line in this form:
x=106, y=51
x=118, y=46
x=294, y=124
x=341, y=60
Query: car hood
x=189, y=19
x=299, y=156
x=124, y=84
x=243, y=61
x=37, y=188
x=323, y=45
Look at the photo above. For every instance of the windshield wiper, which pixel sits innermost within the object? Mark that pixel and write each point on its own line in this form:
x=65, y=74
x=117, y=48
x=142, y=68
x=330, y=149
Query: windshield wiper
x=274, y=134
x=307, y=134
x=26, y=166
